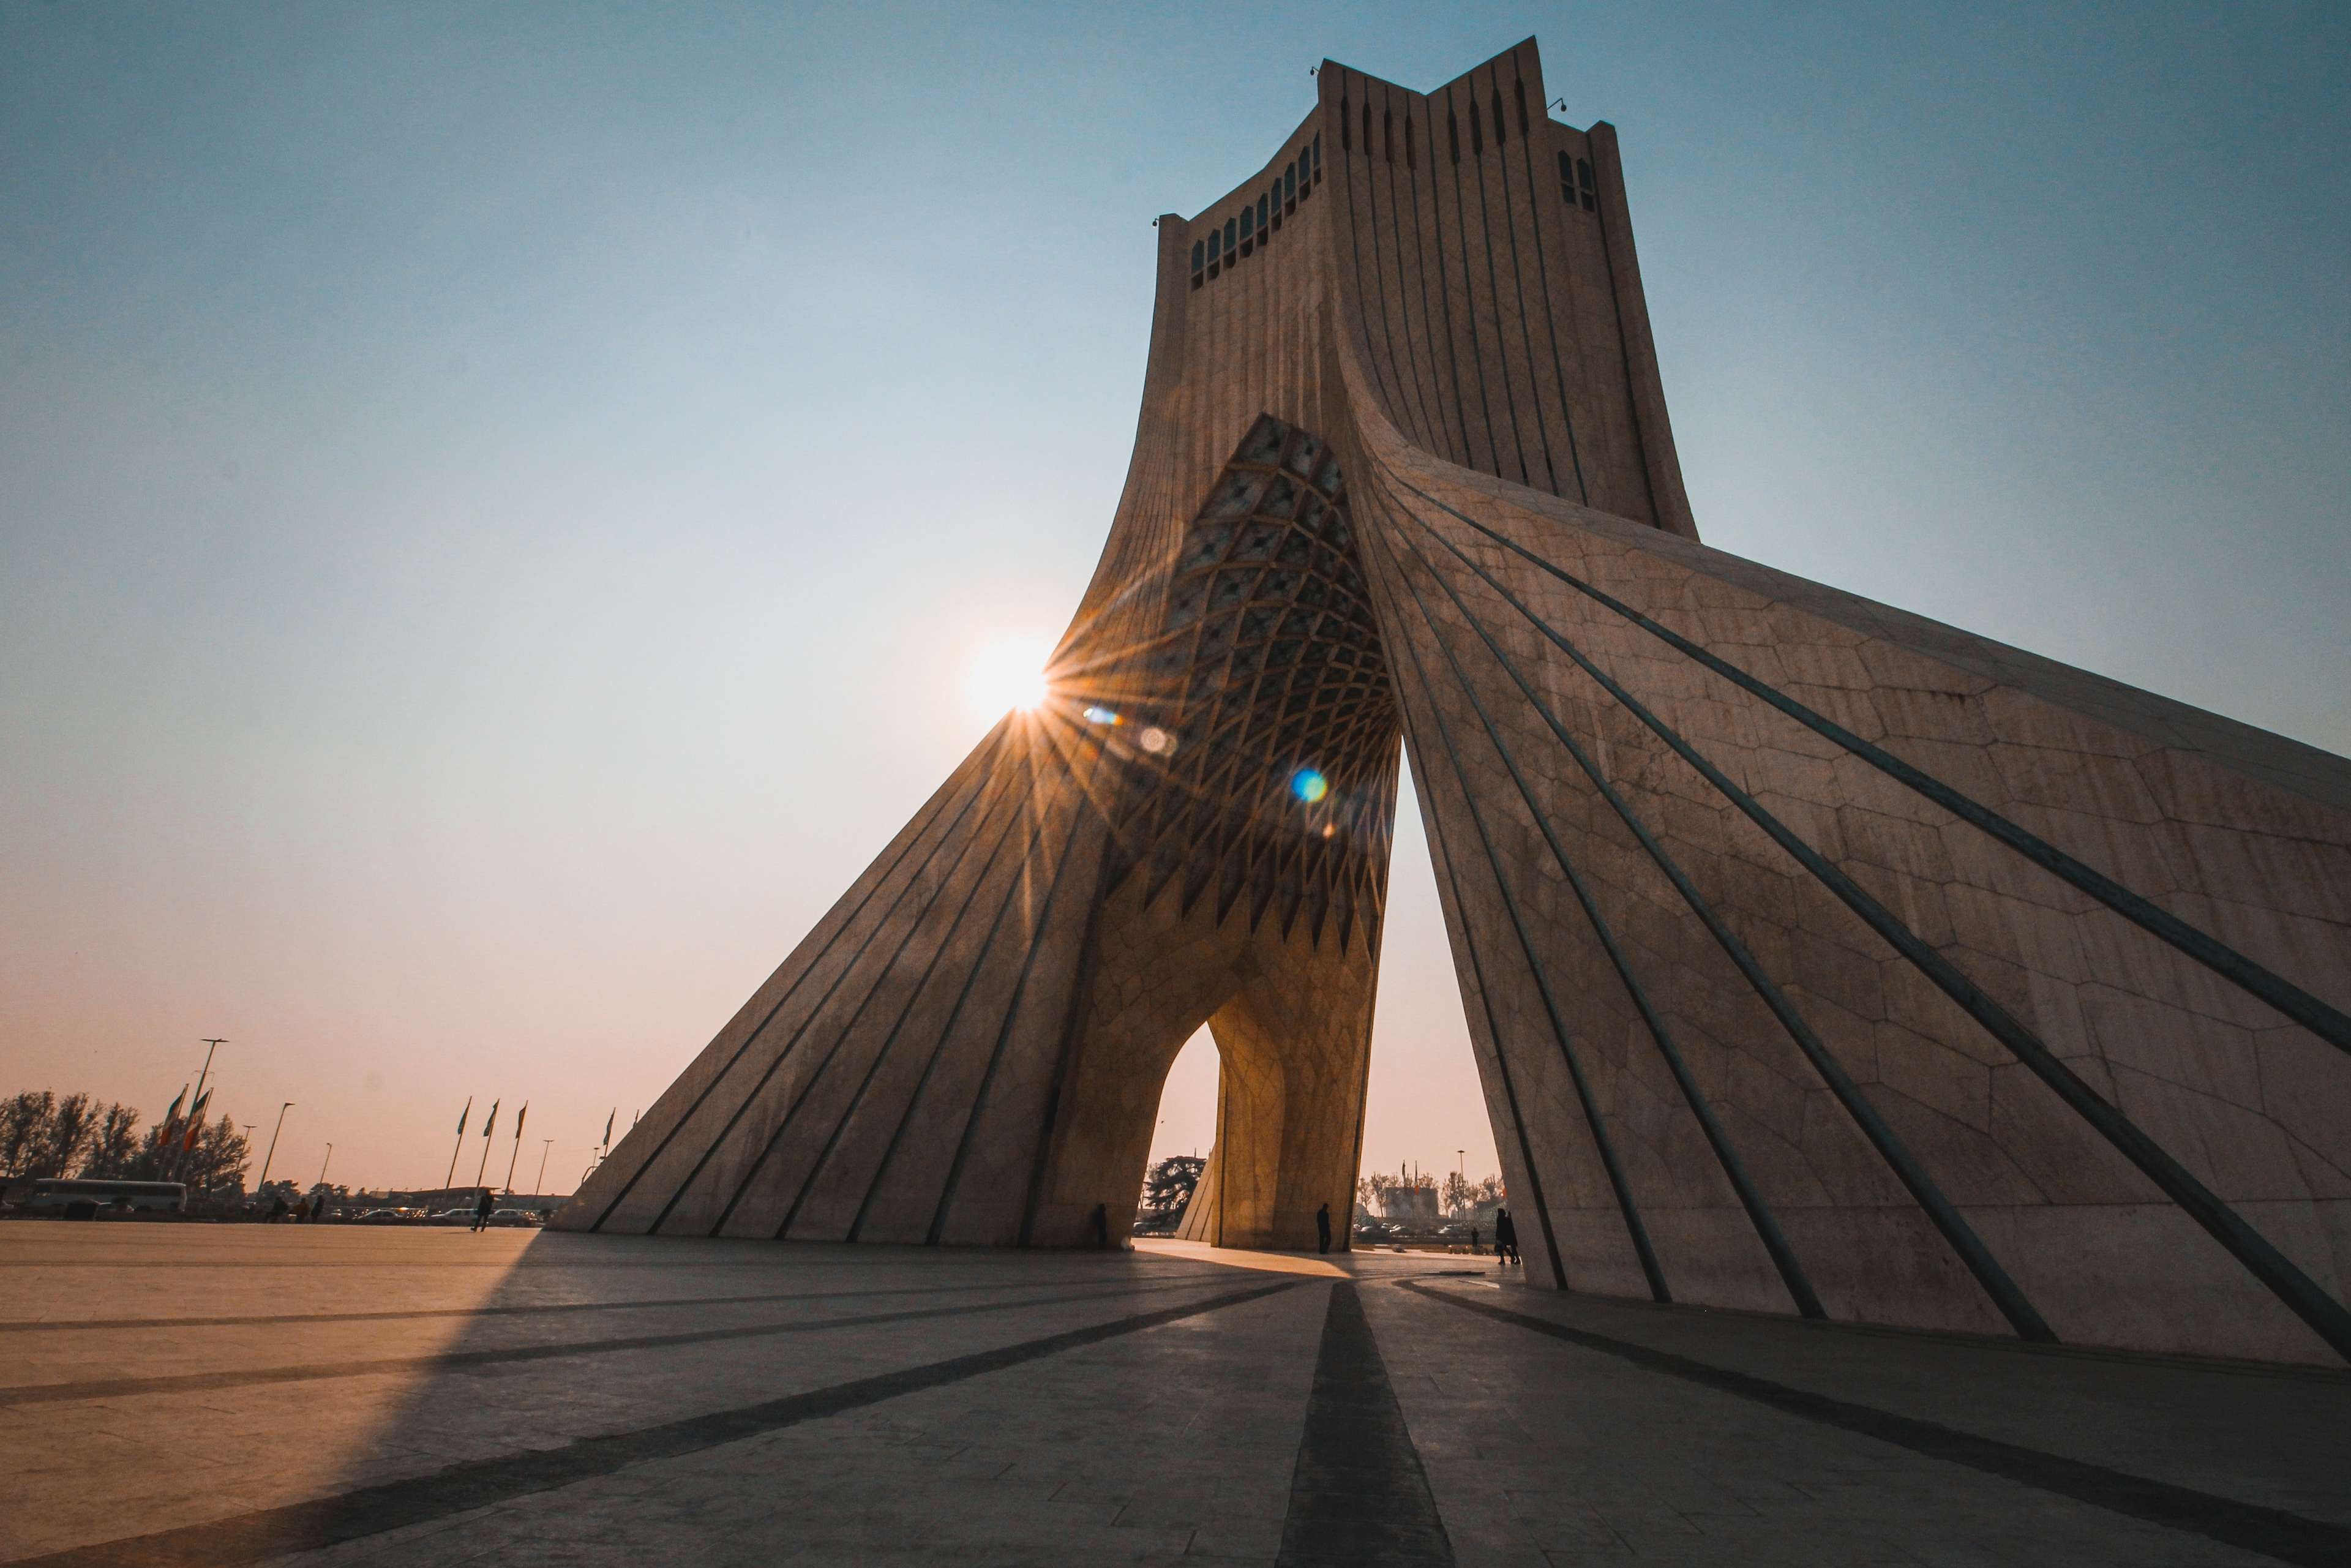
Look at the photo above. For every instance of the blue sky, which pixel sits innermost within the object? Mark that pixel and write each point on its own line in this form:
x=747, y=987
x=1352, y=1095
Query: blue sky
x=495, y=503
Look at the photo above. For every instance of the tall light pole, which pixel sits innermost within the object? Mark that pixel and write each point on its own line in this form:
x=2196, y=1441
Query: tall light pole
x=273, y=1146
x=322, y=1164
x=547, y=1147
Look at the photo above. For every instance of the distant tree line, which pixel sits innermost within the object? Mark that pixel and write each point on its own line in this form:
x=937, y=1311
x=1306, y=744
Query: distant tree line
x=1457, y=1192
x=44, y=1136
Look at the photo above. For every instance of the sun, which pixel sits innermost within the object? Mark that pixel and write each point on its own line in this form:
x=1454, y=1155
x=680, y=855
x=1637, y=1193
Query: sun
x=1007, y=673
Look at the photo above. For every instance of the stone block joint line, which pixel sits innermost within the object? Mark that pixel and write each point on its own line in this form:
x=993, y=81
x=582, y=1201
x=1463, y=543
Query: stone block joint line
x=2325, y=1316
x=1208, y=790
x=1962, y=1237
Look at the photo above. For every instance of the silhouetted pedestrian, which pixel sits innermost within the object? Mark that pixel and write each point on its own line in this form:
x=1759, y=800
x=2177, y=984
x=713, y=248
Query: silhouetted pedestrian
x=1102, y=1226
x=318, y=1208
x=1322, y=1228
x=1473, y=1241
x=302, y=1210
x=1506, y=1238
x=482, y=1206
x=277, y=1208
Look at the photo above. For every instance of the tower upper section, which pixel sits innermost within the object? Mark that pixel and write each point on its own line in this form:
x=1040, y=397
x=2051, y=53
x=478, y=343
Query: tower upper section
x=1478, y=258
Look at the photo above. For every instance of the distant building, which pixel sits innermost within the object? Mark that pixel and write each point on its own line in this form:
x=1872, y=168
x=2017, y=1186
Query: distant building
x=1410, y=1205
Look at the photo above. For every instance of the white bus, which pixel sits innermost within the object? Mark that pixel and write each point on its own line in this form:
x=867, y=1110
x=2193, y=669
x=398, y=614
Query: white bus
x=82, y=1199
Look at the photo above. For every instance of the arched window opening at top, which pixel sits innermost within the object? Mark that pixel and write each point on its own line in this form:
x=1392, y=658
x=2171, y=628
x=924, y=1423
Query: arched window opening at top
x=1501, y=132
x=1263, y=208
x=1567, y=177
x=1347, y=137
x=1477, y=132
x=1453, y=133
x=1216, y=245
x=1232, y=234
x=1367, y=127
x=1317, y=157
x=1518, y=91
x=1388, y=133
x=1290, y=185
x=1409, y=161
x=1583, y=178
x=1200, y=248
x=1249, y=229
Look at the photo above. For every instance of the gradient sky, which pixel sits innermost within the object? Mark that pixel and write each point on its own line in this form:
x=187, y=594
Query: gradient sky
x=497, y=503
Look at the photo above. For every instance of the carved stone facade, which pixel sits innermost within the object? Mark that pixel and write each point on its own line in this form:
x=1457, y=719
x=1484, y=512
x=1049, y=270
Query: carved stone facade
x=1818, y=958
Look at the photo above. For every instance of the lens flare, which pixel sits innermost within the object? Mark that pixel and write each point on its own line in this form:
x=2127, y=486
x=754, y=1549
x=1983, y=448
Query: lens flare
x=1309, y=784
x=1009, y=674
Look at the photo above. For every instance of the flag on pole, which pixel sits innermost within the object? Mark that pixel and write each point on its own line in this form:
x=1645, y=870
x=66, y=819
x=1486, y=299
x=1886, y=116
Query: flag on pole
x=518, y=1116
x=608, y=1126
x=464, y=1114
x=196, y=1118
x=491, y=1125
x=173, y=1115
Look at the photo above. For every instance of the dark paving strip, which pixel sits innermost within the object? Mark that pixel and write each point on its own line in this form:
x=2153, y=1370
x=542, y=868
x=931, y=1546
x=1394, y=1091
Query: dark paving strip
x=2273, y=1533
x=775, y=1258
x=459, y=1360
x=460, y=1488
x=35, y=1326
x=1358, y=1495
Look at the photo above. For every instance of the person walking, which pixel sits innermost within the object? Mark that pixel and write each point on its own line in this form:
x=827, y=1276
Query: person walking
x=1322, y=1228
x=1101, y=1228
x=302, y=1210
x=1506, y=1238
x=482, y=1206
x=1473, y=1241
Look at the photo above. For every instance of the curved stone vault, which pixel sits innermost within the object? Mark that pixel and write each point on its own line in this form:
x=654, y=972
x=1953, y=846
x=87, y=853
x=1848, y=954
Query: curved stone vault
x=1818, y=958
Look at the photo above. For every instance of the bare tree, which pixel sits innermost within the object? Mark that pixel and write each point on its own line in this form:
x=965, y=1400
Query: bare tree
x=24, y=1129
x=1459, y=1192
x=219, y=1161
x=64, y=1139
x=114, y=1149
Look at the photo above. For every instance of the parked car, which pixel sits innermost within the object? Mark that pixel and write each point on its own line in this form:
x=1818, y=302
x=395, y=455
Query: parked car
x=513, y=1217
x=453, y=1216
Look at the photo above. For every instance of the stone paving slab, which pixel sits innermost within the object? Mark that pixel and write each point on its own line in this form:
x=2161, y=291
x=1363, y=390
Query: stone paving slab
x=1173, y=1404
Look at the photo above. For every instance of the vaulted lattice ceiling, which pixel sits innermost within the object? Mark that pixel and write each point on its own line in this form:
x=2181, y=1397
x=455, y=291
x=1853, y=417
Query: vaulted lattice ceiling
x=1267, y=671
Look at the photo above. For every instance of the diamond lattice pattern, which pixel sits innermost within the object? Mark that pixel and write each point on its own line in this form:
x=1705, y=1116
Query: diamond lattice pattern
x=1273, y=777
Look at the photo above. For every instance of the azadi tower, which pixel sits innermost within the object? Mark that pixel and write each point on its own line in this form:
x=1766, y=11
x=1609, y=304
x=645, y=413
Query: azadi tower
x=1819, y=958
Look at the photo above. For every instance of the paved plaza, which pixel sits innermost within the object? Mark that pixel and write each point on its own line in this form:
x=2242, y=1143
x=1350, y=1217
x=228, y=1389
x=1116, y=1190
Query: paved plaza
x=214, y=1394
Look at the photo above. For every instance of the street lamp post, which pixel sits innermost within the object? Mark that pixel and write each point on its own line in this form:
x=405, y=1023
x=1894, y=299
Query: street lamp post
x=547, y=1147
x=273, y=1146
x=322, y=1164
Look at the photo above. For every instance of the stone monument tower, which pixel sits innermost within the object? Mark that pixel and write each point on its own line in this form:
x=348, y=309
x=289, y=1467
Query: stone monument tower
x=1818, y=958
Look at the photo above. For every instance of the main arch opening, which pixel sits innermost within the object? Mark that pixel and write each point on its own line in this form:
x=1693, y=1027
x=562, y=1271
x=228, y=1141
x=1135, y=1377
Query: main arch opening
x=1245, y=887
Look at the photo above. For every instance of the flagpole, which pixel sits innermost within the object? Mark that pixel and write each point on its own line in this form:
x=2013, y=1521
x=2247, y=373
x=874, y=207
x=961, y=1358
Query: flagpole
x=520, y=1117
x=458, y=1147
x=488, y=1128
x=210, y=1046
